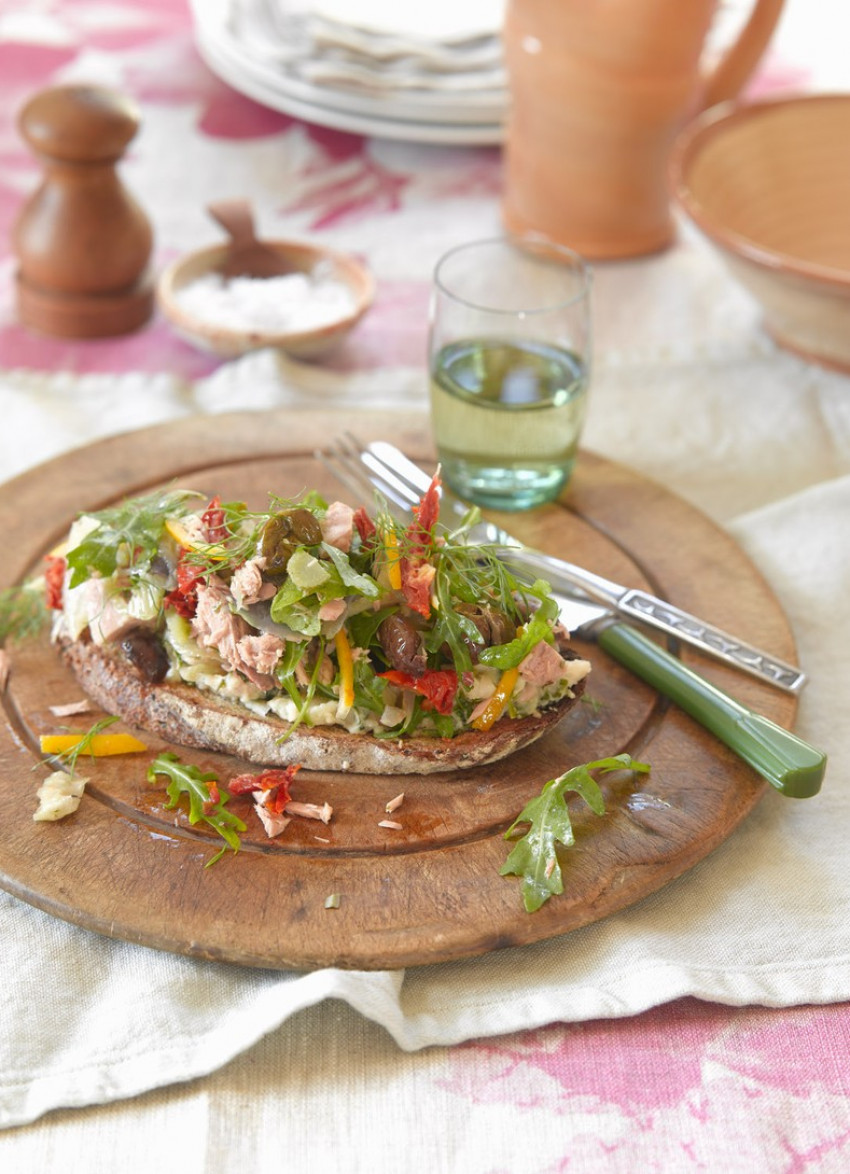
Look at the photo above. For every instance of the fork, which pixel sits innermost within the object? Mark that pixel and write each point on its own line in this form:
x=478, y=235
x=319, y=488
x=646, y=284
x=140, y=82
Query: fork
x=789, y=764
x=382, y=466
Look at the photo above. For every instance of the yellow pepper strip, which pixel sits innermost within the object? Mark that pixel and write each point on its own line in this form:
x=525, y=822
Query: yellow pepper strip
x=183, y=538
x=495, y=707
x=390, y=541
x=346, y=669
x=100, y=745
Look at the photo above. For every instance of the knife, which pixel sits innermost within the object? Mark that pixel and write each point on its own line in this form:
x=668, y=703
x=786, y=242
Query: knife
x=390, y=464
x=789, y=764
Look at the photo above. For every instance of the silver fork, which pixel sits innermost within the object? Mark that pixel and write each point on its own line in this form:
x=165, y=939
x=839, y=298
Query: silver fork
x=382, y=466
x=789, y=764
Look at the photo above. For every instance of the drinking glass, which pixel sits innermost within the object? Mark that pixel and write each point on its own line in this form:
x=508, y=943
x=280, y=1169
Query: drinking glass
x=509, y=359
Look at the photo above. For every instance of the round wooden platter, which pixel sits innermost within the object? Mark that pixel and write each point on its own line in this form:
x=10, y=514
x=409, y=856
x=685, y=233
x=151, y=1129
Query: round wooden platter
x=125, y=866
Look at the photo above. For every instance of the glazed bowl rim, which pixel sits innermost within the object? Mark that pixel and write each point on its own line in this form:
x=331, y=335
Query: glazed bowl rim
x=705, y=128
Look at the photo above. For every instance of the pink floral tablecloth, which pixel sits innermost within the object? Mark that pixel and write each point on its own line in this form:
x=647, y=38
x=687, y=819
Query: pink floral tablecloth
x=686, y=389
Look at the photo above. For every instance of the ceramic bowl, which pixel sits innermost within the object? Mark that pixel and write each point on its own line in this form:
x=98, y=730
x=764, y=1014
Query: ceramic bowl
x=305, y=342
x=769, y=184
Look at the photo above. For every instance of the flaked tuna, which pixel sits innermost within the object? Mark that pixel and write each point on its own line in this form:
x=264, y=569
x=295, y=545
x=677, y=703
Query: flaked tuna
x=247, y=584
x=338, y=526
x=544, y=665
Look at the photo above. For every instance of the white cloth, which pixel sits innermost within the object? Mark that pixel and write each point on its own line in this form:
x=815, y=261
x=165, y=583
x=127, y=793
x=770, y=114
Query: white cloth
x=753, y=436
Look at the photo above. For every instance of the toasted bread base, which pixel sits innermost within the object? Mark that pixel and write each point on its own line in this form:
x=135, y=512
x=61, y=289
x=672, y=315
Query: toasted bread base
x=182, y=714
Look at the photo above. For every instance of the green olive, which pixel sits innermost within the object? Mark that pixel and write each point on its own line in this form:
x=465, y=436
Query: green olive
x=283, y=533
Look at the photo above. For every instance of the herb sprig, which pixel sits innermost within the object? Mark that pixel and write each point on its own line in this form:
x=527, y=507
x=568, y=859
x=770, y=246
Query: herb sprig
x=534, y=857
x=243, y=528
x=23, y=612
x=128, y=535
x=69, y=758
x=206, y=802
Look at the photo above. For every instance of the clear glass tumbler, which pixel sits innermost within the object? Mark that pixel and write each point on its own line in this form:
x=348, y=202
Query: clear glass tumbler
x=509, y=361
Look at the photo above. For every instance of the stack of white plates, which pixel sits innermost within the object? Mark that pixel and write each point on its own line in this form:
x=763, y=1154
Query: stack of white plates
x=433, y=73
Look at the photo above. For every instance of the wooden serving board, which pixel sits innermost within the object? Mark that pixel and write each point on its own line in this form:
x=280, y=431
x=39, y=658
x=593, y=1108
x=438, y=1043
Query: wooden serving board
x=125, y=866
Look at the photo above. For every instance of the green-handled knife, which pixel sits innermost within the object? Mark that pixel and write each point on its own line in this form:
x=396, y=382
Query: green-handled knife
x=788, y=763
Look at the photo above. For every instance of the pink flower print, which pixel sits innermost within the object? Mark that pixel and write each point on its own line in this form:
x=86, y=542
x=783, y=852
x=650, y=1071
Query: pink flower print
x=350, y=193
x=797, y=1051
x=614, y=1061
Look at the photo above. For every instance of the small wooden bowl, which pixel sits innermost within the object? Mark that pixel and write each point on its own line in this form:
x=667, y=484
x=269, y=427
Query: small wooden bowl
x=769, y=184
x=229, y=342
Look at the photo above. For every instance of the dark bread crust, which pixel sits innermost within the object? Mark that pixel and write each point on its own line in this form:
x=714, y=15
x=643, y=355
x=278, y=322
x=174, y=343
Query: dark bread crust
x=182, y=714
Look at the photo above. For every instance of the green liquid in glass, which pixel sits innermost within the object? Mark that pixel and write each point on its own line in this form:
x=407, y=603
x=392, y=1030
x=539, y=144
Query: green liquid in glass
x=507, y=419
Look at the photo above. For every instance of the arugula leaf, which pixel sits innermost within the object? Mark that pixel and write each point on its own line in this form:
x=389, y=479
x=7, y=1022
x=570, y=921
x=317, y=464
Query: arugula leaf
x=362, y=584
x=539, y=627
x=293, y=651
x=368, y=687
x=474, y=575
x=534, y=857
x=285, y=673
x=363, y=626
x=205, y=805
x=310, y=500
x=299, y=598
x=450, y=626
x=128, y=535
x=23, y=612
x=301, y=619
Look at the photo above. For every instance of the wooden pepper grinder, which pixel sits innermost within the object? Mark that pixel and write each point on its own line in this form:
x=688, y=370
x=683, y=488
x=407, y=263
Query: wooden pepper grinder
x=82, y=242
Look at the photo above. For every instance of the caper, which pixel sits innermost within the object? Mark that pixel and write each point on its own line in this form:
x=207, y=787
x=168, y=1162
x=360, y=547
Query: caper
x=283, y=533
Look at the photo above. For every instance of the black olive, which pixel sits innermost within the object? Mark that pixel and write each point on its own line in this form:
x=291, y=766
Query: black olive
x=502, y=628
x=402, y=645
x=143, y=648
x=494, y=625
x=282, y=534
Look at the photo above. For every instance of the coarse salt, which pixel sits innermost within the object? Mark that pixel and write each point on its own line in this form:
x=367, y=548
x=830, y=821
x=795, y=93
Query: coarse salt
x=290, y=304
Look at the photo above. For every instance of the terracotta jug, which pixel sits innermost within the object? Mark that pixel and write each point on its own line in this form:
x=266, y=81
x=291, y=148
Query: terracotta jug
x=599, y=91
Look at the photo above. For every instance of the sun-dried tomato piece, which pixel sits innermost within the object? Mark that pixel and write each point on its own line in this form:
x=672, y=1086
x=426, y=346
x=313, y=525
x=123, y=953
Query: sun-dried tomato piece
x=365, y=526
x=54, y=581
x=417, y=573
x=437, y=687
x=213, y=522
x=184, y=598
x=278, y=780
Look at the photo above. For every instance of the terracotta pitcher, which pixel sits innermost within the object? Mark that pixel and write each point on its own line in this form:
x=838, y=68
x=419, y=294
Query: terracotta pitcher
x=599, y=91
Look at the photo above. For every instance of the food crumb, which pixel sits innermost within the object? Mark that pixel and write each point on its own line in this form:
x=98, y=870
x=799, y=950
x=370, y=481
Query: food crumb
x=59, y=795
x=391, y=823
x=71, y=709
x=333, y=901
x=310, y=810
x=394, y=804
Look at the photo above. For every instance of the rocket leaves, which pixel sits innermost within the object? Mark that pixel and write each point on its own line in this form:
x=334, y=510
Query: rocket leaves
x=206, y=801
x=534, y=857
x=128, y=535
